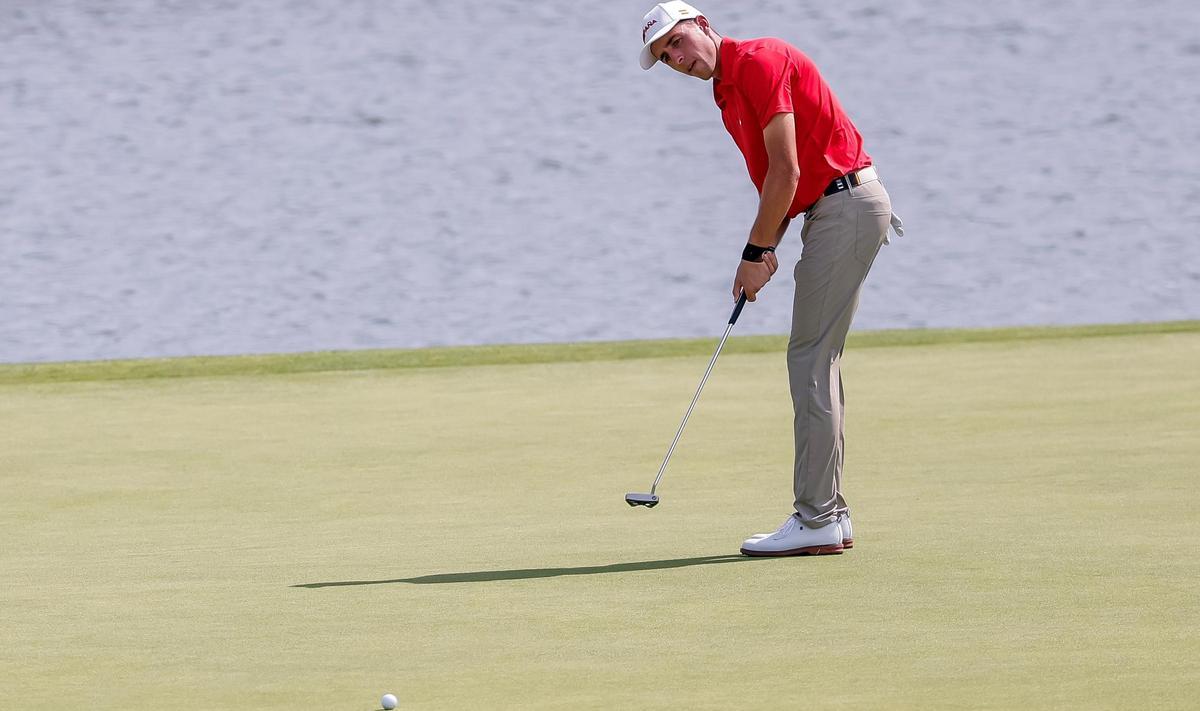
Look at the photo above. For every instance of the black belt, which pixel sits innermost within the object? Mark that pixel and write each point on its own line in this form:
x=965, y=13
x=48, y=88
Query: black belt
x=852, y=180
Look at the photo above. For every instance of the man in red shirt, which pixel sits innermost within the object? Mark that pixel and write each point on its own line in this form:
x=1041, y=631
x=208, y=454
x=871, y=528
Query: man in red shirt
x=804, y=156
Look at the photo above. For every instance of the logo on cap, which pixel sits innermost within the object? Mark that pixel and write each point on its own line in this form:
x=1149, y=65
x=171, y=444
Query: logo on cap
x=646, y=29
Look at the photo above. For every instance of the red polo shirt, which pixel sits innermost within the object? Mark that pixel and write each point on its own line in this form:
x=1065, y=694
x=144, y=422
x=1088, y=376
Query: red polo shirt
x=764, y=77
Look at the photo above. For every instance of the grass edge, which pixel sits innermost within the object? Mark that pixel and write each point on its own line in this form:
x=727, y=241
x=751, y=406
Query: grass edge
x=522, y=354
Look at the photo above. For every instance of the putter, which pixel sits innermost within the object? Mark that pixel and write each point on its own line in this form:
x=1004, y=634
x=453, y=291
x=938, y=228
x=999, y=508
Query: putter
x=651, y=500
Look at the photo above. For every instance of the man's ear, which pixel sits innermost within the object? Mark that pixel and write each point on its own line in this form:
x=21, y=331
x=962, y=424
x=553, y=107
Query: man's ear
x=702, y=21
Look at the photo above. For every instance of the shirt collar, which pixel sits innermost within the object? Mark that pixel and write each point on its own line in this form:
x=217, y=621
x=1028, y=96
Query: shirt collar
x=728, y=53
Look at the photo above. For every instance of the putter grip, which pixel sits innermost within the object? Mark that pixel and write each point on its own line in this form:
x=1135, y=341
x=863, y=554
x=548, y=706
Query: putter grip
x=737, y=310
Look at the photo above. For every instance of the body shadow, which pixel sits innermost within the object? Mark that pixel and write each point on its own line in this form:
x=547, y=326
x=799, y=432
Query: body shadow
x=486, y=576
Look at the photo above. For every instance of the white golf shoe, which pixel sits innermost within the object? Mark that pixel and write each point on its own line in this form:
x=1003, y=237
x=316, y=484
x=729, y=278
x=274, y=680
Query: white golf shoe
x=843, y=523
x=794, y=538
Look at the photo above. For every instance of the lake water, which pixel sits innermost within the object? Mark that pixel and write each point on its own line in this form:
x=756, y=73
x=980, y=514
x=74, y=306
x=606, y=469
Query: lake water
x=227, y=176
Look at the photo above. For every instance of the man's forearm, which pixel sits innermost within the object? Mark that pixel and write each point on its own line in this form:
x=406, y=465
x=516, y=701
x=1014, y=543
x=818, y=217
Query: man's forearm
x=783, y=227
x=779, y=189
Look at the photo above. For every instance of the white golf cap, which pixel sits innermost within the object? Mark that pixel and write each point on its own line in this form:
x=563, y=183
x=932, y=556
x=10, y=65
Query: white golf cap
x=659, y=21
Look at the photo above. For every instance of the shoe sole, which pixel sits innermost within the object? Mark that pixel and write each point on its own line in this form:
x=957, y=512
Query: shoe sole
x=847, y=543
x=835, y=549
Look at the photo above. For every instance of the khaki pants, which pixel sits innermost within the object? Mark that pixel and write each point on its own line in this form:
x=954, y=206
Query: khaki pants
x=842, y=234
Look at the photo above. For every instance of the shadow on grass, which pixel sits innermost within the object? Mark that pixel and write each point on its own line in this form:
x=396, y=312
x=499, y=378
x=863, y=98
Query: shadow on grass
x=485, y=576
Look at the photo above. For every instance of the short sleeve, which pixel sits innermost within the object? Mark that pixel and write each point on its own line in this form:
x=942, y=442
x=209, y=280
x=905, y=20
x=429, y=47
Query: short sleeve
x=765, y=80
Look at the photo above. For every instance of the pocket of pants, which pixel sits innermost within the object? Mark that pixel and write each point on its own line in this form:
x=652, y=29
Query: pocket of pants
x=827, y=209
x=870, y=228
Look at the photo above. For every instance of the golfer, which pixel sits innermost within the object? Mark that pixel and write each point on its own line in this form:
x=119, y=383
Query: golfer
x=804, y=156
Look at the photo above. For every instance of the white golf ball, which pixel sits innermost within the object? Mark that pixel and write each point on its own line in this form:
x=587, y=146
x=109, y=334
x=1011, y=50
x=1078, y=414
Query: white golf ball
x=388, y=701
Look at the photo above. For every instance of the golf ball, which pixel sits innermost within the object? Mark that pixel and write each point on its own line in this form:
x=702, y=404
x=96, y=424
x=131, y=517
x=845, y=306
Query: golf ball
x=388, y=701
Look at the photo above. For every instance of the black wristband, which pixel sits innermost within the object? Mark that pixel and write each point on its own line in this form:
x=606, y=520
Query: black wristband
x=754, y=253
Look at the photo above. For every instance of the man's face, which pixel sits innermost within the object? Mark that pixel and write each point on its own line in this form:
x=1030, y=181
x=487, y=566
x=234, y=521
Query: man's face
x=688, y=48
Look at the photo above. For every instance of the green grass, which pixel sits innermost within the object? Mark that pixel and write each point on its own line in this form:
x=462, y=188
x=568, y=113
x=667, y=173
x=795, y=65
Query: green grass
x=326, y=361
x=1027, y=529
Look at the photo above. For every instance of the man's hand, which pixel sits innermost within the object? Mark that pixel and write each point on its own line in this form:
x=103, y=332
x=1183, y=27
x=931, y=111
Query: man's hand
x=751, y=277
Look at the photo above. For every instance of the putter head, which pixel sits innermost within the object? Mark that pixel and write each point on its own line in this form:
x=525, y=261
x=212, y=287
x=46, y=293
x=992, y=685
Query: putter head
x=647, y=500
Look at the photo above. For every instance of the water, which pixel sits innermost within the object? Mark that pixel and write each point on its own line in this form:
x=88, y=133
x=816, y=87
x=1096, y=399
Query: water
x=226, y=176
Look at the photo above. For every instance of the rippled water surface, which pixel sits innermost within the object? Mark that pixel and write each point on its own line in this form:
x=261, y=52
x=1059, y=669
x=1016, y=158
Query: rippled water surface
x=229, y=176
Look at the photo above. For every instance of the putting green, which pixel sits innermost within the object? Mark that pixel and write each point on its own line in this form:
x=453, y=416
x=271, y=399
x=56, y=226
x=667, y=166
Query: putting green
x=1027, y=532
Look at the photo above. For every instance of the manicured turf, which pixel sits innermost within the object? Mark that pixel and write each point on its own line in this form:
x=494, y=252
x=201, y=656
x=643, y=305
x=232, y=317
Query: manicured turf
x=1027, y=532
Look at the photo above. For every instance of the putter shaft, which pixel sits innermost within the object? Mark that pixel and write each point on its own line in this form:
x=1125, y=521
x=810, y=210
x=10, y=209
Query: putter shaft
x=732, y=320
